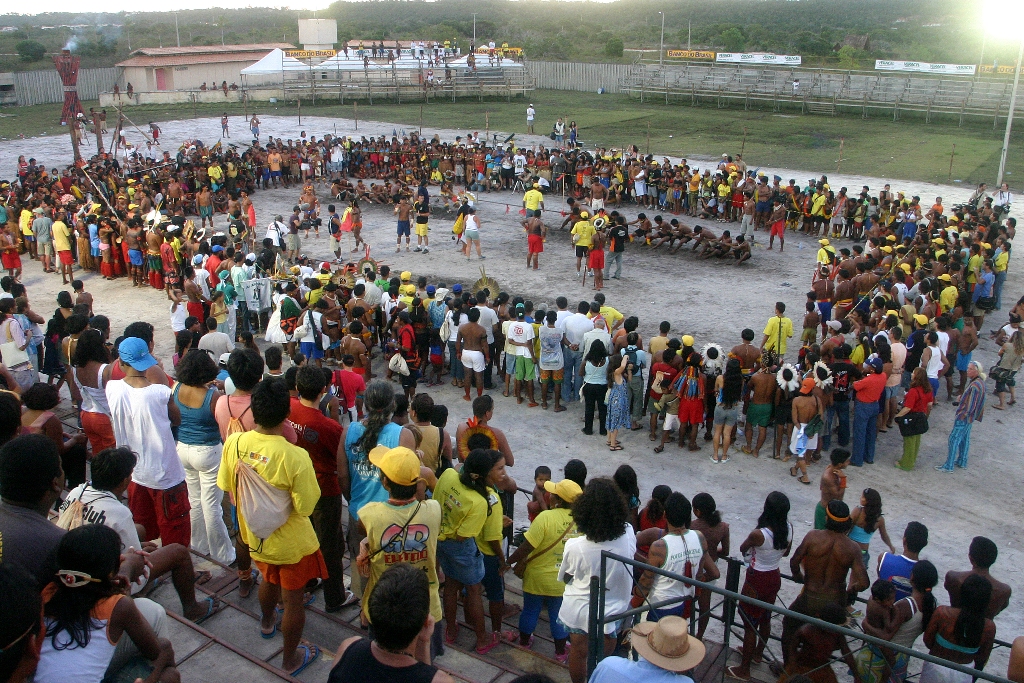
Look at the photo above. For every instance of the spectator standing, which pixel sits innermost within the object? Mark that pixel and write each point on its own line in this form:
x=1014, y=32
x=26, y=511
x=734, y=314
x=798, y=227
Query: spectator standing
x=970, y=409
x=865, y=424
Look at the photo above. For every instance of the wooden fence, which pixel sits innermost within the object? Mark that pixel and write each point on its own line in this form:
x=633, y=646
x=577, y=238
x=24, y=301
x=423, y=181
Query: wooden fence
x=44, y=87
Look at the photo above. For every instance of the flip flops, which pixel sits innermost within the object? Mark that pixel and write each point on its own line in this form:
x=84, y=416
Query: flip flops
x=210, y=610
x=310, y=655
x=494, y=642
x=730, y=671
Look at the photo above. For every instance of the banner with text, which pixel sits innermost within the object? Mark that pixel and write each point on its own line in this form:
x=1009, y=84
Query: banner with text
x=758, y=58
x=690, y=54
x=992, y=69
x=925, y=67
x=310, y=54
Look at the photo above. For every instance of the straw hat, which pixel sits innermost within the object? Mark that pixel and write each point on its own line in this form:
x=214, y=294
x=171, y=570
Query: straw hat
x=667, y=645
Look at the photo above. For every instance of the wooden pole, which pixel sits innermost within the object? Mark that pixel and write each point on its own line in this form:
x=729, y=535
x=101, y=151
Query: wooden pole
x=487, y=126
x=951, y=155
x=355, y=113
x=744, y=143
x=839, y=162
x=73, y=129
x=298, y=102
x=195, y=112
x=648, y=136
x=421, y=120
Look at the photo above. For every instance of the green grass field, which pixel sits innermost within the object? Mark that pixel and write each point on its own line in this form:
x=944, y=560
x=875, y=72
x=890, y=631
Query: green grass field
x=908, y=149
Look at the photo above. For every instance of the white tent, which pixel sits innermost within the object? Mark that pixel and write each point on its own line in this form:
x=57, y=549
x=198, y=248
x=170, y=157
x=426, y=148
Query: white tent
x=274, y=63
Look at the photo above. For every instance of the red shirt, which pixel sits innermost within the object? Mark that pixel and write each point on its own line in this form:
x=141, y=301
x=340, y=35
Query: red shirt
x=661, y=372
x=870, y=389
x=917, y=400
x=213, y=266
x=320, y=436
x=351, y=385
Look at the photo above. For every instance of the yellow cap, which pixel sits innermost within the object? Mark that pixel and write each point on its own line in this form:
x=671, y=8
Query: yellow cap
x=887, y=250
x=406, y=276
x=824, y=242
x=400, y=465
x=131, y=181
x=921, y=319
x=687, y=340
x=986, y=245
x=133, y=206
x=584, y=214
x=945, y=277
x=954, y=219
x=409, y=289
x=567, y=489
x=906, y=268
x=938, y=240
x=891, y=238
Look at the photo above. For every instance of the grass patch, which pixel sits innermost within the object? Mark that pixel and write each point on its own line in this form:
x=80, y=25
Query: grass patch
x=908, y=149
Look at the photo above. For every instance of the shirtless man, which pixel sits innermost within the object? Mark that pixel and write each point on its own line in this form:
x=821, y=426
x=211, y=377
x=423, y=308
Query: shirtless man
x=133, y=237
x=404, y=212
x=598, y=194
x=982, y=554
x=741, y=250
x=805, y=407
x=703, y=236
x=154, y=240
x=352, y=344
x=824, y=294
x=643, y=227
x=760, y=390
x=536, y=233
x=833, y=484
x=204, y=205
x=747, y=223
x=472, y=351
x=483, y=411
x=194, y=305
x=822, y=563
x=684, y=234
x=967, y=343
x=844, y=295
x=174, y=194
x=719, y=247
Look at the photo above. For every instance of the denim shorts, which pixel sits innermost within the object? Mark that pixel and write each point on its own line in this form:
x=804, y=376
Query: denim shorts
x=461, y=560
x=727, y=416
x=494, y=583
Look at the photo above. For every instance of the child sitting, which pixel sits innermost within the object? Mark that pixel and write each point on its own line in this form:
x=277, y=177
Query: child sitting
x=541, y=498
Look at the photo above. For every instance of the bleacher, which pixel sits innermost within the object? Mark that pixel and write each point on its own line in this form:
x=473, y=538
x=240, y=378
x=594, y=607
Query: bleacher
x=822, y=91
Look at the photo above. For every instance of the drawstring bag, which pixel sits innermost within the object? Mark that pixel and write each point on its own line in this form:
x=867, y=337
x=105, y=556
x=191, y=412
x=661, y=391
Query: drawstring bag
x=264, y=507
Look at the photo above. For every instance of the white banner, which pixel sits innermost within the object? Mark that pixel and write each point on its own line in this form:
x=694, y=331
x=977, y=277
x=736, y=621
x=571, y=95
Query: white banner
x=925, y=67
x=758, y=58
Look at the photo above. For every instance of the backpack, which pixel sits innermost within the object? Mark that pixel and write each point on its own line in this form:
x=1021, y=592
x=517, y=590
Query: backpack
x=631, y=357
x=264, y=507
x=235, y=423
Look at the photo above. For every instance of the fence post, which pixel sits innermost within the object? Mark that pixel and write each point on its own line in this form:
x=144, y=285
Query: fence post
x=595, y=630
x=732, y=583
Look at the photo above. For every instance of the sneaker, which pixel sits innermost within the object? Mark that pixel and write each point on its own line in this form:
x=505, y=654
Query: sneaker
x=564, y=657
x=426, y=250
x=417, y=249
x=942, y=468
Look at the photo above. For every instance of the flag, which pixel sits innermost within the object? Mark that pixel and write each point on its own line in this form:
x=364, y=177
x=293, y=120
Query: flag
x=460, y=225
x=346, y=221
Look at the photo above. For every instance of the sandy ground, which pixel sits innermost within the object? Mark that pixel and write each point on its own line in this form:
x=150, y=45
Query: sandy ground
x=713, y=301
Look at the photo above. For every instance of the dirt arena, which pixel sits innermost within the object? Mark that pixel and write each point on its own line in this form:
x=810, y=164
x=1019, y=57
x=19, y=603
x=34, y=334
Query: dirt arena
x=711, y=300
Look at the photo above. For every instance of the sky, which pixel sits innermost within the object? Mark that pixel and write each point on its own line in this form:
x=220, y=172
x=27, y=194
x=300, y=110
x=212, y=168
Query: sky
x=131, y=6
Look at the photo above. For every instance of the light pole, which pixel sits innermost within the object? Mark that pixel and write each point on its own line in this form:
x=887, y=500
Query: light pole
x=176, y=33
x=661, y=52
x=1009, y=117
x=474, y=30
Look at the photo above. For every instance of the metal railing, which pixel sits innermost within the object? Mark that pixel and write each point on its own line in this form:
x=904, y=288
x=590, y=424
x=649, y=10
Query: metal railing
x=731, y=599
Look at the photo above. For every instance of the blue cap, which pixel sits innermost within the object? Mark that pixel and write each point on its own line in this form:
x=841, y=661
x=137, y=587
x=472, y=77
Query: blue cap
x=431, y=289
x=135, y=352
x=457, y=289
x=216, y=248
x=876, y=363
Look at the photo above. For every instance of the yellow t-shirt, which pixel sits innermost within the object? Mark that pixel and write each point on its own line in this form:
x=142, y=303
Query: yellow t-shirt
x=416, y=546
x=463, y=510
x=492, y=525
x=314, y=296
x=585, y=231
x=532, y=199
x=778, y=330
x=818, y=205
x=948, y=297
x=283, y=466
x=1001, y=262
x=215, y=173
x=610, y=315
x=61, y=236
x=973, y=266
x=541, y=577
x=25, y=220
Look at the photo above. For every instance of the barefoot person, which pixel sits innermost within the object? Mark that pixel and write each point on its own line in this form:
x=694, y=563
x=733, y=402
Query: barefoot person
x=761, y=389
x=822, y=563
x=472, y=351
x=807, y=417
x=536, y=233
x=833, y=484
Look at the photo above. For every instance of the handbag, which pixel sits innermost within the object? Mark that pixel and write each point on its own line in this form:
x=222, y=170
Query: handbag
x=12, y=355
x=1001, y=374
x=912, y=424
x=398, y=364
x=986, y=303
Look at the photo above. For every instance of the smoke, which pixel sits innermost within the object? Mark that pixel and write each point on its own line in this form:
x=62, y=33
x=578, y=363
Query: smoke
x=72, y=43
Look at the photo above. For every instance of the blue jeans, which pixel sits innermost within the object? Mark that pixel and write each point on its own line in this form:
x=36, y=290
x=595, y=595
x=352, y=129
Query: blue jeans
x=997, y=290
x=531, y=613
x=959, y=444
x=865, y=432
x=573, y=381
x=840, y=413
x=457, y=367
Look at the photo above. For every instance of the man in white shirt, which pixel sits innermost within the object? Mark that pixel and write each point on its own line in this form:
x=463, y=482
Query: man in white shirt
x=574, y=326
x=101, y=504
x=202, y=275
x=531, y=113
x=519, y=161
x=521, y=336
x=312, y=321
x=599, y=333
x=1001, y=201
x=215, y=343
x=489, y=321
x=274, y=232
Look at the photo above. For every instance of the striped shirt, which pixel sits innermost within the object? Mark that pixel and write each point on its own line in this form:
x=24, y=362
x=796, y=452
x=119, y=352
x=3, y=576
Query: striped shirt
x=972, y=403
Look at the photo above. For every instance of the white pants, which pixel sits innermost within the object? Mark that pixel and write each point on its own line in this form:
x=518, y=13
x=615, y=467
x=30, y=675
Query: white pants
x=209, y=533
x=233, y=321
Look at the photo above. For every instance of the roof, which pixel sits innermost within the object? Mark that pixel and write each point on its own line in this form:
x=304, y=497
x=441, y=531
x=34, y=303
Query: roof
x=202, y=54
x=275, y=62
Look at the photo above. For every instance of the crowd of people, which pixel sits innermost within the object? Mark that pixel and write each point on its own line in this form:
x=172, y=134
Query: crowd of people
x=265, y=432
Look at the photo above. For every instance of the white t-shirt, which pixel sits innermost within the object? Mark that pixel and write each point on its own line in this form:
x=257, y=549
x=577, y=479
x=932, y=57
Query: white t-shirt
x=202, y=275
x=178, y=314
x=550, y=348
x=309, y=338
x=520, y=162
x=216, y=344
x=488, y=318
x=140, y=421
x=581, y=559
x=530, y=113
x=575, y=326
x=519, y=331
